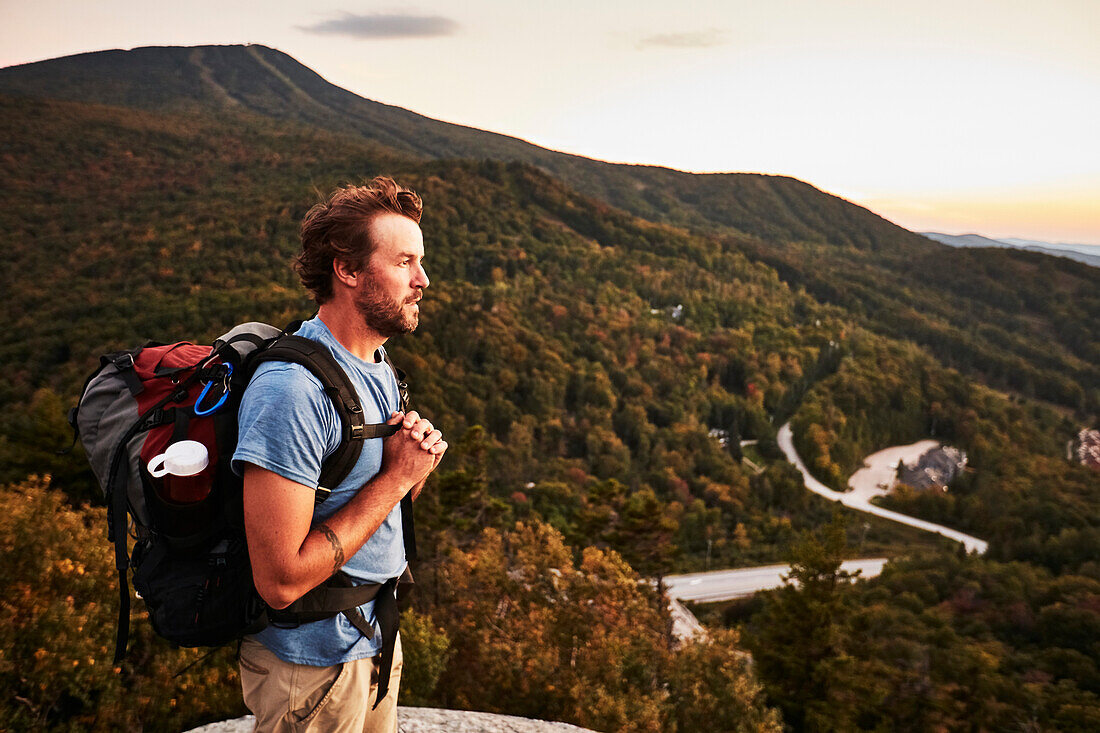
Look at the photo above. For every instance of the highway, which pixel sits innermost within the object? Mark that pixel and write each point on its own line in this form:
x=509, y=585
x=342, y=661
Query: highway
x=725, y=585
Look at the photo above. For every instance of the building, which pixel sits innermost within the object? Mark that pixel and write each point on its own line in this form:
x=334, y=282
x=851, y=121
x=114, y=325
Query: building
x=1088, y=448
x=934, y=470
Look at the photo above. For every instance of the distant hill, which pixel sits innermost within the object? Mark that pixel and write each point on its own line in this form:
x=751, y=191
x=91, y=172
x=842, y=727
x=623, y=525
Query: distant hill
x=981, y=311
x=268, y=82
x=963, y=240
x=1085, y=253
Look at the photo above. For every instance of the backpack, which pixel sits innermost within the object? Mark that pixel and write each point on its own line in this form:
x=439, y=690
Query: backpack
x=190, y=558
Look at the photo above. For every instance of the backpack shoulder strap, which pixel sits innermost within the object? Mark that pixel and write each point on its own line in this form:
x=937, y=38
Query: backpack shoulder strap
x=408, y=530
x=319, y=361
x=402, y=385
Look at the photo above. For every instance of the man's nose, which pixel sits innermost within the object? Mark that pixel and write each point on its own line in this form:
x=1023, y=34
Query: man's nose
x=421, y=278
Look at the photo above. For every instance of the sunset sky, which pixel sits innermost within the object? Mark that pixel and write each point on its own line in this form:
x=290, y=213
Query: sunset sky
x=955, y=116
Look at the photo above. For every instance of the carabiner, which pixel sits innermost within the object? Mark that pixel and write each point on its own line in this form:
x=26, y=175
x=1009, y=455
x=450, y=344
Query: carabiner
x=206, y=389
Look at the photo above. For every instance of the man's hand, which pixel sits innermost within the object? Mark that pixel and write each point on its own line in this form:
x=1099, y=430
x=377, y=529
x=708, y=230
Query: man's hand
x=431, y=440
x=289, y=554
x=413, y=452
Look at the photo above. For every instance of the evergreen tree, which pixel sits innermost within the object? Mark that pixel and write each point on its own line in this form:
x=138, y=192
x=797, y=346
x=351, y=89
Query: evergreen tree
x=798, y=639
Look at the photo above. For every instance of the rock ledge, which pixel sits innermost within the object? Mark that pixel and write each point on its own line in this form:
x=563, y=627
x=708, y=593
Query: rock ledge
x=432, y=720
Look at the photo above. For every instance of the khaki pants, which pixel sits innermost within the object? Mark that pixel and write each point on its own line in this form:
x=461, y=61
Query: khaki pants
x=287, y=697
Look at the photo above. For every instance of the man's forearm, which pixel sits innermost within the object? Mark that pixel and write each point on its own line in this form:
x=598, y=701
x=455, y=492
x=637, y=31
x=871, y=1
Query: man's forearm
x=290, y=555
x=282, y=578
x=345, y=532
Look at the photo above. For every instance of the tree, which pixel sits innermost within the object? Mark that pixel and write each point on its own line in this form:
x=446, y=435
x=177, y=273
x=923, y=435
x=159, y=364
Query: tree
x=536, y=632
x=798, y=639
x=712, y=688
x=58, y=594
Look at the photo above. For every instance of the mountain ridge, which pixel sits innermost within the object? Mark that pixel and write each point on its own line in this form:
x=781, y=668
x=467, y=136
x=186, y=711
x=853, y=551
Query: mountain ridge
x=1076, y=252
x=760, y=208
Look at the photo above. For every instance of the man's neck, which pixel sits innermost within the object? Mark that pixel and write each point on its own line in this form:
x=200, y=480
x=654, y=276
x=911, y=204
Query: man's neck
x=348, y=328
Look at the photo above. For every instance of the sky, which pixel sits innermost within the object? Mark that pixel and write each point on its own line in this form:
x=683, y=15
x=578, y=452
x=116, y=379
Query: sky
x=955, y=116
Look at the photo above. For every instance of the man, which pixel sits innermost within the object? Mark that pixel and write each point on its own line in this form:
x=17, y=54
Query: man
x=363, y=260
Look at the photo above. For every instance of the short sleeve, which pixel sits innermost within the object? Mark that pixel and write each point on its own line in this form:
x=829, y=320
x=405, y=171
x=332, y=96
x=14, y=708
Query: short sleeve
x=287, y=424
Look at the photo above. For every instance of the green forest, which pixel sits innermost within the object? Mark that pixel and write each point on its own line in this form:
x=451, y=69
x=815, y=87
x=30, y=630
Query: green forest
x=596, y=359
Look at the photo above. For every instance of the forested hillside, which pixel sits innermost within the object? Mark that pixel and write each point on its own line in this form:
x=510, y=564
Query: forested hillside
x=986, y=313
x=595, y=369
x=539, y=326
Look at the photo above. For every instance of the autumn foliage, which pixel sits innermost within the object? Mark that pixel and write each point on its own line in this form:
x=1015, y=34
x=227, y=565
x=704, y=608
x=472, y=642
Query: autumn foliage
x=59, y=595
x=519, y=628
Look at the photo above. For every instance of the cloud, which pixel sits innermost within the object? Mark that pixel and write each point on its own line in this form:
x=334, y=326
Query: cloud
x=385, y=25
x=697, y=39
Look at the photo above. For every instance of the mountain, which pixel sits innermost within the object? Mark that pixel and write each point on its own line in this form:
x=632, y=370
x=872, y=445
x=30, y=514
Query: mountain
x=1084, y=253
x=979, y=311
x=268, y=82
x=964, y=240
x=588, y=341
x=1082, y=248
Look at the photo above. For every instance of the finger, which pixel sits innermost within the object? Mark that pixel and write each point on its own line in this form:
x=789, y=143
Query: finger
x=421, y=428
x=439, y=448
x=437, y=458
x=431, y=439
x=395, y=417
x=410, y=418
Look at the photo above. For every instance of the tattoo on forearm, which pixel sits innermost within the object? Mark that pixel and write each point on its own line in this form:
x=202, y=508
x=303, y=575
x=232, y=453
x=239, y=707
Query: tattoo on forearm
x=337, y=548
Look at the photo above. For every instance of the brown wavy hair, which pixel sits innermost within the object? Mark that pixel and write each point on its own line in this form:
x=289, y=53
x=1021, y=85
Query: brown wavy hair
x=339, y=229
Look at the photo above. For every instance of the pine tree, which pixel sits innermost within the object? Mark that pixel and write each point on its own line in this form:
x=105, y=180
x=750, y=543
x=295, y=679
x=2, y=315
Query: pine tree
x=798, y=640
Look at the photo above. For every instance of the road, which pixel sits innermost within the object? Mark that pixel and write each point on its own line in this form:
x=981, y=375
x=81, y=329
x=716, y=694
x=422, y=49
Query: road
x=725, y=585
x=866, y=482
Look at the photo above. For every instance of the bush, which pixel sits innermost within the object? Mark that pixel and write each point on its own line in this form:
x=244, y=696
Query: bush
x=426, y=650
x=59, y=590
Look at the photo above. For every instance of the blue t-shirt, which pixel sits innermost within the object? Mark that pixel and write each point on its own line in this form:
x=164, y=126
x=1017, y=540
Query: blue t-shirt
x=288, y=426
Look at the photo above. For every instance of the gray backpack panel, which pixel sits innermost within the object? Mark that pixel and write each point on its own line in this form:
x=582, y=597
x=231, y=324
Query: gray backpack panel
x=107, y=412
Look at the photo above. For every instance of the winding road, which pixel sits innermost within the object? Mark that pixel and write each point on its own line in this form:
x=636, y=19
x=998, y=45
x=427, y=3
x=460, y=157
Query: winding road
x=872, y=480
x=868, y=482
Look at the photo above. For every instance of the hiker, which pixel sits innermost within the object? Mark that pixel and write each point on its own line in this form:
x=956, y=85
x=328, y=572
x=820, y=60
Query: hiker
x=362, y=260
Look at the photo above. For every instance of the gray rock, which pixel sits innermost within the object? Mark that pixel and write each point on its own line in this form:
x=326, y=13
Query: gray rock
x=432, y=720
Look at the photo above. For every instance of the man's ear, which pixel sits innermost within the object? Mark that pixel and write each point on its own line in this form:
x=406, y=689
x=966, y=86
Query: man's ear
x=346, y=272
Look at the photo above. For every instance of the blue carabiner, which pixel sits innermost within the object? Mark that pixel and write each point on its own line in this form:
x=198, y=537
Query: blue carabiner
x=220, y=402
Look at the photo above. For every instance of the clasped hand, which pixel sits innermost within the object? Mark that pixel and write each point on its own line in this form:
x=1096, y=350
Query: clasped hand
x=414, y=450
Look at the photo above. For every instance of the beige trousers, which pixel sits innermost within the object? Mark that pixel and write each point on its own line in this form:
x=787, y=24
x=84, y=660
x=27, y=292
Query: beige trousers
x=292, y=698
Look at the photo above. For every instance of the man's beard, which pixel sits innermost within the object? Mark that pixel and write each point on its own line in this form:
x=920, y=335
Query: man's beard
x=385, y=316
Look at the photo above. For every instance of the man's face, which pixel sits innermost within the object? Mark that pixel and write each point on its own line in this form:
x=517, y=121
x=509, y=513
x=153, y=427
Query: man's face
x=393, y=279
